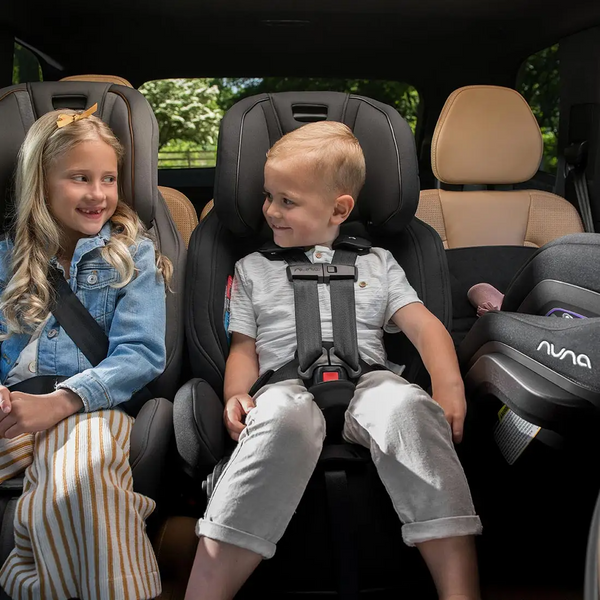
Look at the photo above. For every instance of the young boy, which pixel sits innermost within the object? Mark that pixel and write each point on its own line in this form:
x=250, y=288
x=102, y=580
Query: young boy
x=312, y=177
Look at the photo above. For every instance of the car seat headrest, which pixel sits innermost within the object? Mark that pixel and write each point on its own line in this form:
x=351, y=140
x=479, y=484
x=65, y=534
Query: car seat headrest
x=486, y=135
x=99, y=78
x=389, y=198
x=124, y=109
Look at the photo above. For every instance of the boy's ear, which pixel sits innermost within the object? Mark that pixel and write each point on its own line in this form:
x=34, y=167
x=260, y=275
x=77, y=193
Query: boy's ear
x=342, y=209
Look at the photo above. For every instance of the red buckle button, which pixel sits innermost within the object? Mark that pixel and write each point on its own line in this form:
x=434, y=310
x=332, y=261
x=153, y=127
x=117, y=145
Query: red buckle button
x=330, y=376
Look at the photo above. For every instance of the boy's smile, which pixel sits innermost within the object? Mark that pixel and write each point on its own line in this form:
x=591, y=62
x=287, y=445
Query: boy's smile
x=299, y=206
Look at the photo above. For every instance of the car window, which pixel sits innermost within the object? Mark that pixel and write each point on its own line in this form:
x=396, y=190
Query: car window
x=189, y=110
x=26, y=67
x=539, y=83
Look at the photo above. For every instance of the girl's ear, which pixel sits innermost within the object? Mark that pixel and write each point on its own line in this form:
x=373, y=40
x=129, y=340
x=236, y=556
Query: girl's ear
x=342, y=208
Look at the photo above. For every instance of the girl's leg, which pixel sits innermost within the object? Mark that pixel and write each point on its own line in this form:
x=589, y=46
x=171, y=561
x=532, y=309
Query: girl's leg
x=411, y=445
x=258, y=491
x=15, y=455
x=79, y=526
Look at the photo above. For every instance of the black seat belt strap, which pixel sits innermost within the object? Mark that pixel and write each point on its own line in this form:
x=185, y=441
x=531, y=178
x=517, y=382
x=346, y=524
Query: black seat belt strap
x=343, y=314
x=343, y=525
x=306, y=308
x=77, y=321
x=575, y=162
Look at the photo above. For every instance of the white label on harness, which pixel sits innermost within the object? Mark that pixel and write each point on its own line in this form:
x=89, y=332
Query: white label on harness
x=513, y=434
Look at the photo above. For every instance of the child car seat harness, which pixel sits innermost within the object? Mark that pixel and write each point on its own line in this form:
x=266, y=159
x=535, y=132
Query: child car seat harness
x=329, y=370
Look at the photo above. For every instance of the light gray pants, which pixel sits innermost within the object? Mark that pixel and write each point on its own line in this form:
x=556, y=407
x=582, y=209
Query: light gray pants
x=410, y=443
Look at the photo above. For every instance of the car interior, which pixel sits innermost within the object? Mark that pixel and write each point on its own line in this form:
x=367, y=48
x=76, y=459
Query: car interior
x=480, y=125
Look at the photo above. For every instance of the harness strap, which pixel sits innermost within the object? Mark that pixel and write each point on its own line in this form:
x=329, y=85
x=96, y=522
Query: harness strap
x=343, y=314
x=306, y=307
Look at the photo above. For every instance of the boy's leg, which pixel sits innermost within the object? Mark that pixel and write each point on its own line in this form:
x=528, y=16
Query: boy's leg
x=220, y=569
x=411, y=445
x=259, y=489
x=79, y=526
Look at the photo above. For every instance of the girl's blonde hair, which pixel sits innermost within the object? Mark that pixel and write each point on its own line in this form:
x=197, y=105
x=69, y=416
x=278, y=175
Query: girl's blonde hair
x=26, y=299
x=332, y=148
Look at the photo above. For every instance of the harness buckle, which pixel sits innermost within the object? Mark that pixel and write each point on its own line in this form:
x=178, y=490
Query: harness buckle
x=321, y=272
x=326, y=373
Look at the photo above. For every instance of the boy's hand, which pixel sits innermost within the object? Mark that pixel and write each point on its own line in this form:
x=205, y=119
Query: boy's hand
x=236, y=409
x=452, y=400
x=30, y=413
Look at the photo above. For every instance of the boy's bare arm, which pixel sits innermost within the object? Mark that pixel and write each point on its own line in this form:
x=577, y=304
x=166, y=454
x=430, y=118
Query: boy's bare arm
x=241, y=371
x=435, y=346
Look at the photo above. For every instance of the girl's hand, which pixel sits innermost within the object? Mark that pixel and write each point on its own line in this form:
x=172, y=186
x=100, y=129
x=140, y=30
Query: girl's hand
x=29, y=413
x=5, y=405
x=234, y=415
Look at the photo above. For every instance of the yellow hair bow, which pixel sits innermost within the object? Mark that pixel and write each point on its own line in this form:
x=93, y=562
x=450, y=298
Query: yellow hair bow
x=67, y=119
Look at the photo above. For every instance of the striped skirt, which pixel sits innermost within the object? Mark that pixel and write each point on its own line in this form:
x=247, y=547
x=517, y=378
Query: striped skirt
x=79, y=526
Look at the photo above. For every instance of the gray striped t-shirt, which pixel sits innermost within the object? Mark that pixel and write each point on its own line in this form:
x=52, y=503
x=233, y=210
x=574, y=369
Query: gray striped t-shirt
x=262, y=304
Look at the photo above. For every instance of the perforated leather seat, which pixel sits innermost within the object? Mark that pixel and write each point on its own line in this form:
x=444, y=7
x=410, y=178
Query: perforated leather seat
x=488, y=135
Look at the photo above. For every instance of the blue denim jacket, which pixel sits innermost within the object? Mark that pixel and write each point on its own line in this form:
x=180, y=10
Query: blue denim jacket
x=133, y=318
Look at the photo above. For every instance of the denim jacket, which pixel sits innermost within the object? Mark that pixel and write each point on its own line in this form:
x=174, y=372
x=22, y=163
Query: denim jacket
x=133, y=318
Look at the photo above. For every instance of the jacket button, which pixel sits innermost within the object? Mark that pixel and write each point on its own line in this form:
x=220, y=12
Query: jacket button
x=92, y=278
x=52, y=333
x=31, y=366
x=318, y=255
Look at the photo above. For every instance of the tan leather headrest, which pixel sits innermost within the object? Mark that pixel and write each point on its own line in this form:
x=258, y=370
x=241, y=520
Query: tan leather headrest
x=486, y=134
x=101, y=78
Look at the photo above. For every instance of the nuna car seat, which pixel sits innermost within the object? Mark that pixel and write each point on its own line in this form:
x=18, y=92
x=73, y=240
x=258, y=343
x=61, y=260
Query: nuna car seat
x=355, y=545
x=533, y=391
x=131, y=118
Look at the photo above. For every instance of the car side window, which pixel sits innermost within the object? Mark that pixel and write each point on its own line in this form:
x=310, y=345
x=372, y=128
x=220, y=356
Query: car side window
x=26, y=66
x=539, y=84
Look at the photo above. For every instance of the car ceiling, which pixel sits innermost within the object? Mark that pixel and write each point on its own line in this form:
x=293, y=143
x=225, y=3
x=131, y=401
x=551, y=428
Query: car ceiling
x=411, y=40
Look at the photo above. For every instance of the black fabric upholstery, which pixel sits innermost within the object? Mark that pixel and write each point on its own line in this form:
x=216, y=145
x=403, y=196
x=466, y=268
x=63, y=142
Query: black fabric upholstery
x=558, y=344
x=236, y=228
x=151, y=437
x=570, y=259
x=495, y=265
x=129, y=115
x=384, y=214
x=389, y=198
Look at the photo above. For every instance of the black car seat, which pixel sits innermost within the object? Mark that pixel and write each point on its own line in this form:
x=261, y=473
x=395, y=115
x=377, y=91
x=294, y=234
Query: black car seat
x=366, y=532
x=531, y=436
x=131, y=118
x=486, y=142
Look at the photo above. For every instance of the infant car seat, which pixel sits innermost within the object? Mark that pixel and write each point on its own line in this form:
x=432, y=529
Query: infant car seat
x=533, y=390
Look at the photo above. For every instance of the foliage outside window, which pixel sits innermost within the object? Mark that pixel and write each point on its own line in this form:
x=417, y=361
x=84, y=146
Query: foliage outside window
x=26, y=66
x=189, y=110
x=540, y=86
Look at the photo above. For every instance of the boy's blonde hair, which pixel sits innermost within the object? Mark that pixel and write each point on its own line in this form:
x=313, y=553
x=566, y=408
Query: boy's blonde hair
x=26, y=299
x=332, y=148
